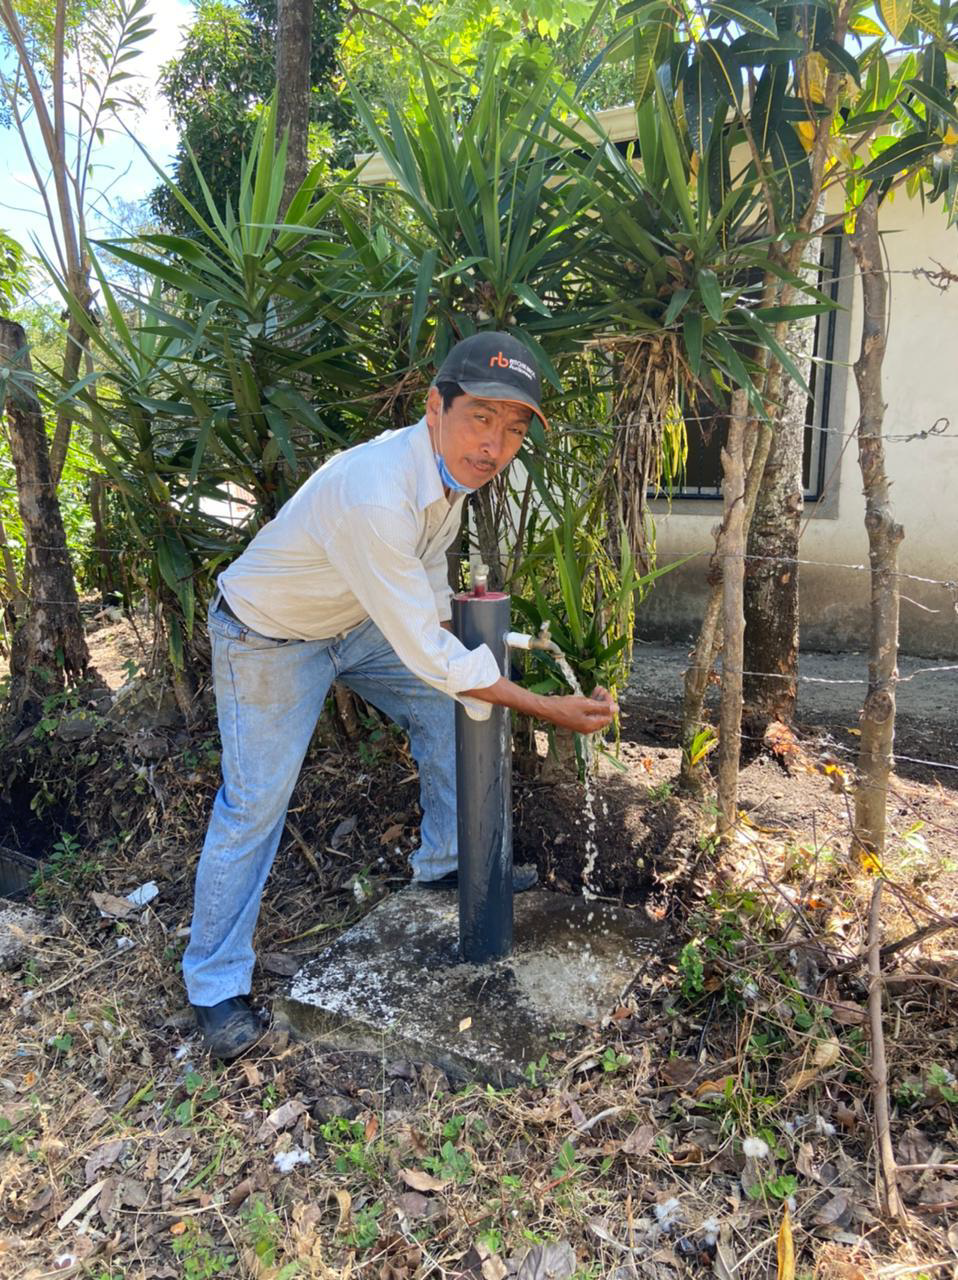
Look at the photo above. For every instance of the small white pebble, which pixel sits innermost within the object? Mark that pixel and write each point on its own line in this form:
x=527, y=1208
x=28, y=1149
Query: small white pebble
x=124, y=942
x=755, y=1149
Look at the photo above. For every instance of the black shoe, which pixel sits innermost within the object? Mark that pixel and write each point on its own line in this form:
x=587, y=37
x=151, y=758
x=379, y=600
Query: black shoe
x=523, y=878
x=229, y=1028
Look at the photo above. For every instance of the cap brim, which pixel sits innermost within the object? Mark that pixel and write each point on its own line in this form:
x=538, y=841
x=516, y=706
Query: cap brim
x=512, y=395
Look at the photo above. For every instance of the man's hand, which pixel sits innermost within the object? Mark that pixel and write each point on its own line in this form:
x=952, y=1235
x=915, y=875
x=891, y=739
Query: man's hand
x=581, y=715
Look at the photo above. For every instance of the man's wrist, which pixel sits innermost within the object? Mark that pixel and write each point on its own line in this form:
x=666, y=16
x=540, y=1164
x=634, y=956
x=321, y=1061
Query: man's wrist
x=506, y=693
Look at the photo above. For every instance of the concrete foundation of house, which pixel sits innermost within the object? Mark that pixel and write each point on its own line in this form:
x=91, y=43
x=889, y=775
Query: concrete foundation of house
x=394, y=983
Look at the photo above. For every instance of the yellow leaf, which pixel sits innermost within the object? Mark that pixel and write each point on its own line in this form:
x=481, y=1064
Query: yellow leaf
x=814, y=71
x=896, y=14
x=786, y=1249
x=951, y=135
x=465, y=1024
x=807, y=131
x=345, y=1202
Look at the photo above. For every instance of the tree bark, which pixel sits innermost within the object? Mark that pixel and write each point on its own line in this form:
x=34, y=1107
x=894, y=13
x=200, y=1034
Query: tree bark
x=884, y=535
x=294, y=29
x=732, y=543
x=48, y=645
x=771, y=573
x=697, y=674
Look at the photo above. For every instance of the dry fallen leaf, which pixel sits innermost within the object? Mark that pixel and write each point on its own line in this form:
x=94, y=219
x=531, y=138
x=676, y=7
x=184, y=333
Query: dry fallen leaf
x=713, y=1088
x=391, y=833
x=280, y=1118
x=419, y=1180
x=491, y=1265
x=345, y=1202
x=251, y=1071
x=114, y=908
x=639, y=1141
x=81, y=1203
x=826, y=1054
x=848, y=1015
x=786, y=1249
x=801, y=1079
x=465, y=1024
x=833, y=1210
x=414, y=1205
x=178, y=1228
x=555, y=1261
x=103, y=1157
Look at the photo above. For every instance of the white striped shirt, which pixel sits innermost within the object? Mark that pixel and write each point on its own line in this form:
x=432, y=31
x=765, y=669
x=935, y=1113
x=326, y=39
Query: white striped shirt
x=365, y=536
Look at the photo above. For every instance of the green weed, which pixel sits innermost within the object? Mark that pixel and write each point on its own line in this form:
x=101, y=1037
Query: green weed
x=198, y=1256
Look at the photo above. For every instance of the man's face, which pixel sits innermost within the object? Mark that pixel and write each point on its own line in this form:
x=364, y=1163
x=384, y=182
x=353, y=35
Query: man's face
x=478, y=438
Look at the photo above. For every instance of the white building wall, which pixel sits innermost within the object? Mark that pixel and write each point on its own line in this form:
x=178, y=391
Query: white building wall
x=921, y=386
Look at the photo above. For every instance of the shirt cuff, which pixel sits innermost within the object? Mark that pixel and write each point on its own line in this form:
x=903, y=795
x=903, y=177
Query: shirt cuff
x=476, y=669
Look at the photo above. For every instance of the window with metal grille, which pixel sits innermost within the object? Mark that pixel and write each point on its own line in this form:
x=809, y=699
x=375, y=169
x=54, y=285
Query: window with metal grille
x=703, y=470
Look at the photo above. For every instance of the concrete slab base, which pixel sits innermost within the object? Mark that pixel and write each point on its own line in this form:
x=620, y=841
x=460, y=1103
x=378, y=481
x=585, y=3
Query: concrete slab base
x=394, y=983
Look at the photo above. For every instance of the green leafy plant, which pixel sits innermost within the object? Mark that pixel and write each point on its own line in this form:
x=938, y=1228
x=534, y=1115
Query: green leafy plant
x=365, y=1227
x=613, y=1060
x=347, y=1141
x=263, y=1226
x=198, y=1092
x=451, y=1163
x=779, y=1187
x=198, y=1256
x=68, y=868
x=692, y=970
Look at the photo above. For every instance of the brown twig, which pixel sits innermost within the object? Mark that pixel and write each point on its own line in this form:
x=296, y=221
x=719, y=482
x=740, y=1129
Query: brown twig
x=891, y=1199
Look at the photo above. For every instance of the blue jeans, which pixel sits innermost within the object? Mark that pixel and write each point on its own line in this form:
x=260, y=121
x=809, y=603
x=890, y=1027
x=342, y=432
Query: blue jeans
x=269, y=697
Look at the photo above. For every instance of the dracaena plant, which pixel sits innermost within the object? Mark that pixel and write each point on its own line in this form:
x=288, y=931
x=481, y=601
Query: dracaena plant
x=233, y=375
x=485, y=218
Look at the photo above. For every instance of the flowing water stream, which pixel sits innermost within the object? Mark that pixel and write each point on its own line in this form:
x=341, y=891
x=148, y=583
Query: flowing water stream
x=588, y=760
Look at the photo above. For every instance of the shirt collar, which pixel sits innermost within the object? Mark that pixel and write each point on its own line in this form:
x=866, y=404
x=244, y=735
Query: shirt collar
x=429, y=488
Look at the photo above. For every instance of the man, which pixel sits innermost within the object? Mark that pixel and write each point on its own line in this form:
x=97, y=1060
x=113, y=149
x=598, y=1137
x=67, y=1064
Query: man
x=348, y=583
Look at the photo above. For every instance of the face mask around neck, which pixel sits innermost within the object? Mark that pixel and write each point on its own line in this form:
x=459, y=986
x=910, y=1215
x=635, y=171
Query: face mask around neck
x=445, y=475
x=448, y=479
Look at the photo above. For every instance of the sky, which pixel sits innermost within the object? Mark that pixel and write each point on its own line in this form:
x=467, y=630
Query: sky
x=122, y=170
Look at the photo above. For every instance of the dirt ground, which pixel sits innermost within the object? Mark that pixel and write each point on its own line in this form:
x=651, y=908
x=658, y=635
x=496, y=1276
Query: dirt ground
x=722, y=1116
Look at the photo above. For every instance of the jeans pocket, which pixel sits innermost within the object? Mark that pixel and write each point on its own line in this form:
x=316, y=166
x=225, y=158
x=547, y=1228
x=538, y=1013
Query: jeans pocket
x=227, y=629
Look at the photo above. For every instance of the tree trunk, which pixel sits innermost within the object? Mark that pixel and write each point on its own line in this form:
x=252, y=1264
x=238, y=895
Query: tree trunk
x=884, y=535
x=11, y=580
x=105, y=576
x=733, y=612
x=77, y=342
x=697, y=675
x=294, y=30
x=49, y=644
x=487, y=534
x=771, y=573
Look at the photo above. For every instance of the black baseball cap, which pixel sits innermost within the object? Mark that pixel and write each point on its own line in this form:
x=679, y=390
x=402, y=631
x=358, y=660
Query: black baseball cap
x=494, y=366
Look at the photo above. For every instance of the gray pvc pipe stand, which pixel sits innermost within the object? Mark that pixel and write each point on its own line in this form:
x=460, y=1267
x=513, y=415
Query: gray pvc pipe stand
x=484, y=794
